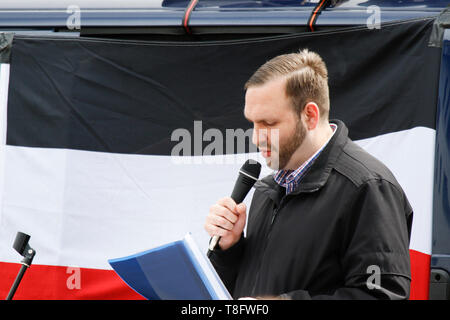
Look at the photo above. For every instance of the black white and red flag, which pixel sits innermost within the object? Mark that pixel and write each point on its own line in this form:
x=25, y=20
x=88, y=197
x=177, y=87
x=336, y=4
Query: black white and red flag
x=111, y=147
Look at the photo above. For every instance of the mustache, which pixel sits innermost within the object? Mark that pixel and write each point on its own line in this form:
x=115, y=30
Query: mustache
x=266, y=146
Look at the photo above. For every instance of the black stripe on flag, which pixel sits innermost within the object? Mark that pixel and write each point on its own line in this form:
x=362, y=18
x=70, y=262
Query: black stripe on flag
x=129, y=97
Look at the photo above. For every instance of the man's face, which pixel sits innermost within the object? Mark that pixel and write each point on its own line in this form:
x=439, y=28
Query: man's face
x=278, y=131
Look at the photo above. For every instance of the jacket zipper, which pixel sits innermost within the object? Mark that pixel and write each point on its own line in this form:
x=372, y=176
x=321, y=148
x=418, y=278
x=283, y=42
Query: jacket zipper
x=275, y=212
x=273, y=219
x=274, y=215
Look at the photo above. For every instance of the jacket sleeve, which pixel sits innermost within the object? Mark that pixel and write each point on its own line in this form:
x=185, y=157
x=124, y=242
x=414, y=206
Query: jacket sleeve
x=226, y=262
x=375, y=248
x=360, y=288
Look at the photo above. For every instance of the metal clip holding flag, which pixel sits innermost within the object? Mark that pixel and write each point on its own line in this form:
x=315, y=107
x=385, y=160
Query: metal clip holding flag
x=23, y=248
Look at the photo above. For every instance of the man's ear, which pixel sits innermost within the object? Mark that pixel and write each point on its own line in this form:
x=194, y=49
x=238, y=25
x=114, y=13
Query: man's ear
x=311, y=114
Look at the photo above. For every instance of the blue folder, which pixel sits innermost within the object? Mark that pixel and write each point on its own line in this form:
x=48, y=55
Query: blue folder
x=175, y=271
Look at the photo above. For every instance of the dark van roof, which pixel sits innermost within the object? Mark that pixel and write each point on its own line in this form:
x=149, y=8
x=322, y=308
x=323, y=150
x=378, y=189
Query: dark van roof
x=208, y=16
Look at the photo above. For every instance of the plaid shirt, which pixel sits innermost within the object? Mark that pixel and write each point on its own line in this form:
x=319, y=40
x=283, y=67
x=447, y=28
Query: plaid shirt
x=290, y=179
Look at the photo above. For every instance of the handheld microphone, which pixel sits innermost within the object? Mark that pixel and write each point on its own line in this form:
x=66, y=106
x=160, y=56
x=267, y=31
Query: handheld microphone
x=248, y=175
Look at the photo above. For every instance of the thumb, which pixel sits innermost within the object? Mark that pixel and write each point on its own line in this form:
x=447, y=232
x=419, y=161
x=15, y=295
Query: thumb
x=241, y=208
x=242, y=217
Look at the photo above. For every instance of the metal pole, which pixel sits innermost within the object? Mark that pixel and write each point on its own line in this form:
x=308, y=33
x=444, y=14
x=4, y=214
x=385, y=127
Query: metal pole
x=17, y=282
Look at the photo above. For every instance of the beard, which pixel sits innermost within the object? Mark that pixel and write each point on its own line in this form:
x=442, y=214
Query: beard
x=284, y=151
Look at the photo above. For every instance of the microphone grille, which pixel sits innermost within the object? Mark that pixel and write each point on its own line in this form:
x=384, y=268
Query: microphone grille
x=252, y=168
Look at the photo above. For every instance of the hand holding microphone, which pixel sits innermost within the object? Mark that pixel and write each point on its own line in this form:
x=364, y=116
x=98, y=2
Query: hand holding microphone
x=225, y=223
x=226, y=219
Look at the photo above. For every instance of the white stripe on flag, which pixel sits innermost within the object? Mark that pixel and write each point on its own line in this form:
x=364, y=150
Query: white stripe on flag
x=82, y=208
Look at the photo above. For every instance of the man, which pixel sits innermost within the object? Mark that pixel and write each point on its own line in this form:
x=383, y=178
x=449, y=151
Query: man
x=332, y=222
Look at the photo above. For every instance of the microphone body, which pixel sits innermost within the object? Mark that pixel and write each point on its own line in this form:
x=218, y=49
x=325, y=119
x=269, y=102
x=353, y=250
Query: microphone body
x=248, y=175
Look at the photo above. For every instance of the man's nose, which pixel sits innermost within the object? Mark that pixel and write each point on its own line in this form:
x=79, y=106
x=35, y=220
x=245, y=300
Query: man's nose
x=259, y=136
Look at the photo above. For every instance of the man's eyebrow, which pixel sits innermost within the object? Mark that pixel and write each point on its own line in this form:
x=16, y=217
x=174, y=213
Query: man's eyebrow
x=255, y=120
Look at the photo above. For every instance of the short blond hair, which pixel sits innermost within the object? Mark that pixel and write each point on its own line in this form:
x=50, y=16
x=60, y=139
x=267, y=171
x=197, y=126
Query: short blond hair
x=306, y=79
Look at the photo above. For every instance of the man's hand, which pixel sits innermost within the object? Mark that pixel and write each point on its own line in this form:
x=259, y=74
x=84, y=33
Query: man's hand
x=227, y=220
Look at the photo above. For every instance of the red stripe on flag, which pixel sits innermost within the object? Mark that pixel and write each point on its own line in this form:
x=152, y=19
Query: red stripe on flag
x=420, y=275
x=42, y=282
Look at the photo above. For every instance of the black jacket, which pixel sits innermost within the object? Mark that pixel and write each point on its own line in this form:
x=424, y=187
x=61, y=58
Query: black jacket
x=344, y=230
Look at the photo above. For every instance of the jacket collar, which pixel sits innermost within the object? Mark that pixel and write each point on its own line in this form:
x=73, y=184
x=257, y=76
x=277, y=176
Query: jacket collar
x=317, y=175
